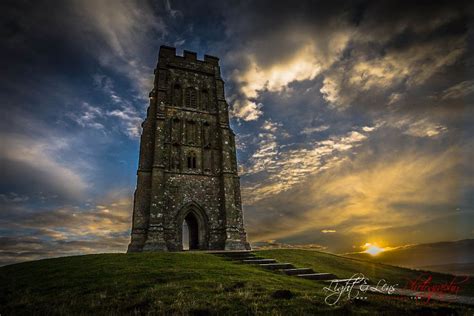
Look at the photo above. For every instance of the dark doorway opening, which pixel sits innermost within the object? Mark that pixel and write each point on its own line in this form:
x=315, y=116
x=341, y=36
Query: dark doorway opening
x=190, y=232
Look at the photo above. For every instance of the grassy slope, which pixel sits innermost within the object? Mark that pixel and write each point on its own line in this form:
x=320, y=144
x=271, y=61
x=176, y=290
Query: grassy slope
x=179, y=283
x=345, y=267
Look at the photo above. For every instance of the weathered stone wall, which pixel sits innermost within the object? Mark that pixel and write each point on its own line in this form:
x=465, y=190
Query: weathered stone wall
x=187, y=159
x=204, y=190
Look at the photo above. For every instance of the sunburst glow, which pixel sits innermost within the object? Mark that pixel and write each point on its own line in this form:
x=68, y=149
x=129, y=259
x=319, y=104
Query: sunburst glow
x=373, y=249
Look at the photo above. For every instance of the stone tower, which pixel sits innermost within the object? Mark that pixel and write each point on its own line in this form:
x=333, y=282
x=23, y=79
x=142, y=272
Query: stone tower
x=187, y=173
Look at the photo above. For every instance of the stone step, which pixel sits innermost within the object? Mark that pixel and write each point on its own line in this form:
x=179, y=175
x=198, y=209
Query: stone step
x=297, y=271
x=239, y=255
x=236, y=255
x=246, y=258
x=230, y=253
x=259, y=261
x=317, y=276
x=276, y=266
x=242, y=258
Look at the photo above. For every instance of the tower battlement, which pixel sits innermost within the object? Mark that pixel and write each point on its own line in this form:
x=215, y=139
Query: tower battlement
x=170, y=52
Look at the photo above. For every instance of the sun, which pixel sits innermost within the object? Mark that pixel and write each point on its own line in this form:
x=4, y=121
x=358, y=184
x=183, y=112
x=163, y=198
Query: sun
x=372, y=249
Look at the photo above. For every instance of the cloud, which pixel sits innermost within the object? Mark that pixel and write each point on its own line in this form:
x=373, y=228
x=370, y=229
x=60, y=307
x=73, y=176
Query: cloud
x=278, y=54
x=88, y=117
x=12, y=197
x=33, y=165
x=67, y=231
x=361, y=59
x=424, y=128
x=118, y=33
x=271, y=127
x=368, y=128
x=173, y=13
x=416, y=127
x=305, y=64
x=246, y=110
x=105, y=84
x=459, y=90
x=311, y=130
x=276, y=170
x=362, y=195
x=410, y=67
x=130, y=118
x=126, y=112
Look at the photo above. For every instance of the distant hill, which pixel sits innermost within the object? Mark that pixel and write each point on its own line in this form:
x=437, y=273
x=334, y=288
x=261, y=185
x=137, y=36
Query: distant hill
x=456, y=257
x=453, y=268
x=196, y=283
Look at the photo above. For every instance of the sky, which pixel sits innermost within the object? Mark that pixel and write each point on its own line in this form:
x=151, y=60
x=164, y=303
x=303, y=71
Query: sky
x=353, y=119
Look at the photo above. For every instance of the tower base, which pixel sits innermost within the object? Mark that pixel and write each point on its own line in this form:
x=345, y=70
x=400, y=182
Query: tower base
x=236, y=245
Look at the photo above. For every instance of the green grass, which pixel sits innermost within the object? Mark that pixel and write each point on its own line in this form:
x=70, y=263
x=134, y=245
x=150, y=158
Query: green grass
x=345, y=267
x=186, y=283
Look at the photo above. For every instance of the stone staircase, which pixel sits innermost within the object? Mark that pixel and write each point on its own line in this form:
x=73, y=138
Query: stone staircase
x=248, y=257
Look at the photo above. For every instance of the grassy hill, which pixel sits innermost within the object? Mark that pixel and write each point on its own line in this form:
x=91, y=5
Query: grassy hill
x=195, y=283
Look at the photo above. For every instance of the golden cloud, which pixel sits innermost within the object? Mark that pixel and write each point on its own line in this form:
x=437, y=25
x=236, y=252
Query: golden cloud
x=308, y=61
x=363, y=196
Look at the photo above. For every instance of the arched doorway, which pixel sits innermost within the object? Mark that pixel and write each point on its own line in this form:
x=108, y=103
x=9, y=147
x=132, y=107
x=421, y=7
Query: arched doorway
x=190, y=232
x=192, y=228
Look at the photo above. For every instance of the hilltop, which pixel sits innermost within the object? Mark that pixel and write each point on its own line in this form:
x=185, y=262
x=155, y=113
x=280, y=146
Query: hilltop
x=196, y=283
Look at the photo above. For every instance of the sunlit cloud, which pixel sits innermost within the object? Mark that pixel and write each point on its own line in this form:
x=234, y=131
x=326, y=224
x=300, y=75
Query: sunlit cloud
x=67, y=231
x=413, y=126
x=363, y=196
x=311, y=130
x=246, y=110
x=287, y=168
x=306, y=63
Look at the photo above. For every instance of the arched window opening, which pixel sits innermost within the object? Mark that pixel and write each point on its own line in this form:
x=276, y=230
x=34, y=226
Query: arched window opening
x=191, y=98
x=175, y=130
x=206, y=134
x=205, y=100
x=191, y=159
x=191, y=132
x=175, y=158
x=177, y=95
x=207, y=164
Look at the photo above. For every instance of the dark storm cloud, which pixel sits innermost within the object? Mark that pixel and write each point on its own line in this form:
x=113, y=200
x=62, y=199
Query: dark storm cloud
x=57, y=88
x=353, y=47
